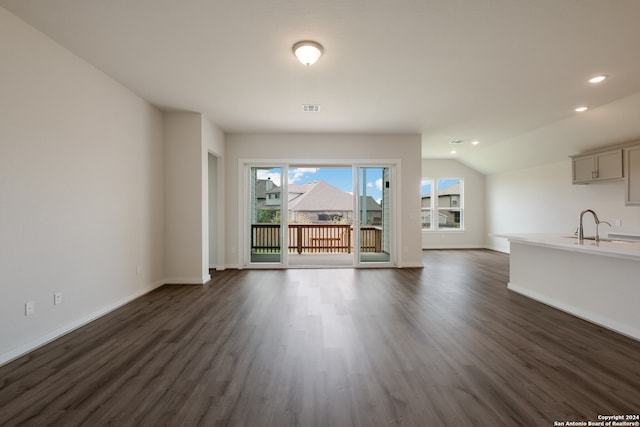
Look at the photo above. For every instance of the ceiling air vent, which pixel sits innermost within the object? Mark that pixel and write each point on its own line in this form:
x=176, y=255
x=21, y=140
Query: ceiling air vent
x=310, y=108
x=455, y=141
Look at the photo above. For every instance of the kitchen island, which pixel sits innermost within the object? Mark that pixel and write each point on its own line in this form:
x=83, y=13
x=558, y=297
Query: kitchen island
x=596, y=281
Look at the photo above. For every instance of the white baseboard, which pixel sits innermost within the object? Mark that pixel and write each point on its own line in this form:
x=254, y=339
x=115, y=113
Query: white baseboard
x=453, y=246
x=55, y=334
x=502, y=251
x=497, y=248
x=412, y=265
x=582, y=314
x=187, y=280
x=232, y=267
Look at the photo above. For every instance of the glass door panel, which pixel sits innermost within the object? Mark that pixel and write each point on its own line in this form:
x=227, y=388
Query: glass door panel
x=320, y=215
x=266, y=219
x=374, y=215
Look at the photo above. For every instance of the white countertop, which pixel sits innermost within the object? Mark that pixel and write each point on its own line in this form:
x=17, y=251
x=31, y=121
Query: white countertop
x=617, y=249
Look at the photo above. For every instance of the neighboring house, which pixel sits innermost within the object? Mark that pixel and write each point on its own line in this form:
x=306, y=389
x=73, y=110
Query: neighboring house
x=264, y=201
x=374, y=210
x=448, y=197
x=319, y=202
x=314, y=202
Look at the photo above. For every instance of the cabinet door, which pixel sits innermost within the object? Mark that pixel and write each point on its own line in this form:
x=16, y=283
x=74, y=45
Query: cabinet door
x=633, y=176
x=583, y=169
x=609, y=165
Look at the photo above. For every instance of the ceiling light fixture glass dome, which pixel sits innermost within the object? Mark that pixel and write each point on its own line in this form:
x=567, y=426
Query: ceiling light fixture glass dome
x=307, y=51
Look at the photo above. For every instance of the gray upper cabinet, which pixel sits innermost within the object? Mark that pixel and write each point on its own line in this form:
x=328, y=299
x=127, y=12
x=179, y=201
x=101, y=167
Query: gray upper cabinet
x=632, y=182
x=600, y=166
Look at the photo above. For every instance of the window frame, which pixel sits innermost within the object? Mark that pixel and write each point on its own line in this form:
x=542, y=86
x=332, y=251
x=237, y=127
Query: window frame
x=430, y=182
x=456, y=206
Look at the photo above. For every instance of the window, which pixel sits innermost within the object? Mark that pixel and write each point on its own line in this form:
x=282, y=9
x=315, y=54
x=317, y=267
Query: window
x=427, y=203
x=445, y=200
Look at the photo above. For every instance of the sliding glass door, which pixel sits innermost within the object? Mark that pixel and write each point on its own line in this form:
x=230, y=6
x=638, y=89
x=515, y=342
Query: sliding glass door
x=267, y=240
x=319, y=215
x=374, y=224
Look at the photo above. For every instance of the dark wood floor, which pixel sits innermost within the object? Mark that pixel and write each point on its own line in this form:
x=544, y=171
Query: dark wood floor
x=445, y=346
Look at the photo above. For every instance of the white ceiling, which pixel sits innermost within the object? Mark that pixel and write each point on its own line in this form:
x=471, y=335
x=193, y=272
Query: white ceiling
x=506, y=72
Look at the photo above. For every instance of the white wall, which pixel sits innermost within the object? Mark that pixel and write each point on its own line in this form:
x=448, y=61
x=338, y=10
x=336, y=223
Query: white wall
x=81, y=190
x=473, y=235
x=543, y=200
x=213, y=149
x=213, y=211
x=183, y=198
x=310, y=148
x=189, y=138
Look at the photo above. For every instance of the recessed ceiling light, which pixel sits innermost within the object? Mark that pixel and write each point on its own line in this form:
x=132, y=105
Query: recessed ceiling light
x=453, y=151
x=597, y=79
x=476, y=142
x=581, y=109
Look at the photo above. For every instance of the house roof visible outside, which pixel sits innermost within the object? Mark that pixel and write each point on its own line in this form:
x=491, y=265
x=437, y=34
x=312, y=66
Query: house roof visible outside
x=320, y=196
x=261, y=188
x=315, y=196
x=451, y=190
x=372, y=205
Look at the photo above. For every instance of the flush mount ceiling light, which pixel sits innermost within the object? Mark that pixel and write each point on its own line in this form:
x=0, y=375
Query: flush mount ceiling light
x=476, y=142
x=597, y=79
x=307, y=51
x=582, y=109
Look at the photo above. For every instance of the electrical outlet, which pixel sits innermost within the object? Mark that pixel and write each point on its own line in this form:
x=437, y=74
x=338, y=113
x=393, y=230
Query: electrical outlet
x=29, y=308
x=57, y=298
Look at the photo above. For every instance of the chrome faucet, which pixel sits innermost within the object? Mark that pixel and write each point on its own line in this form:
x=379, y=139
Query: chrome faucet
x=581, y=229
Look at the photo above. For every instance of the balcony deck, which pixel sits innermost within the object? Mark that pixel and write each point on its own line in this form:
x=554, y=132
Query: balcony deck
x=315, y=238
x=317, y=245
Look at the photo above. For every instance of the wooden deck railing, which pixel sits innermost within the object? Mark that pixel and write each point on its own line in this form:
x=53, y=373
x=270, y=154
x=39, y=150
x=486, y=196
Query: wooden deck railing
x=370, y=239
x=315, y=238
x=320, y=238
x=265, y=238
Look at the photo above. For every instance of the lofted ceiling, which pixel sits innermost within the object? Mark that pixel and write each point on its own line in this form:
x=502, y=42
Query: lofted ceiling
x=507, y=73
